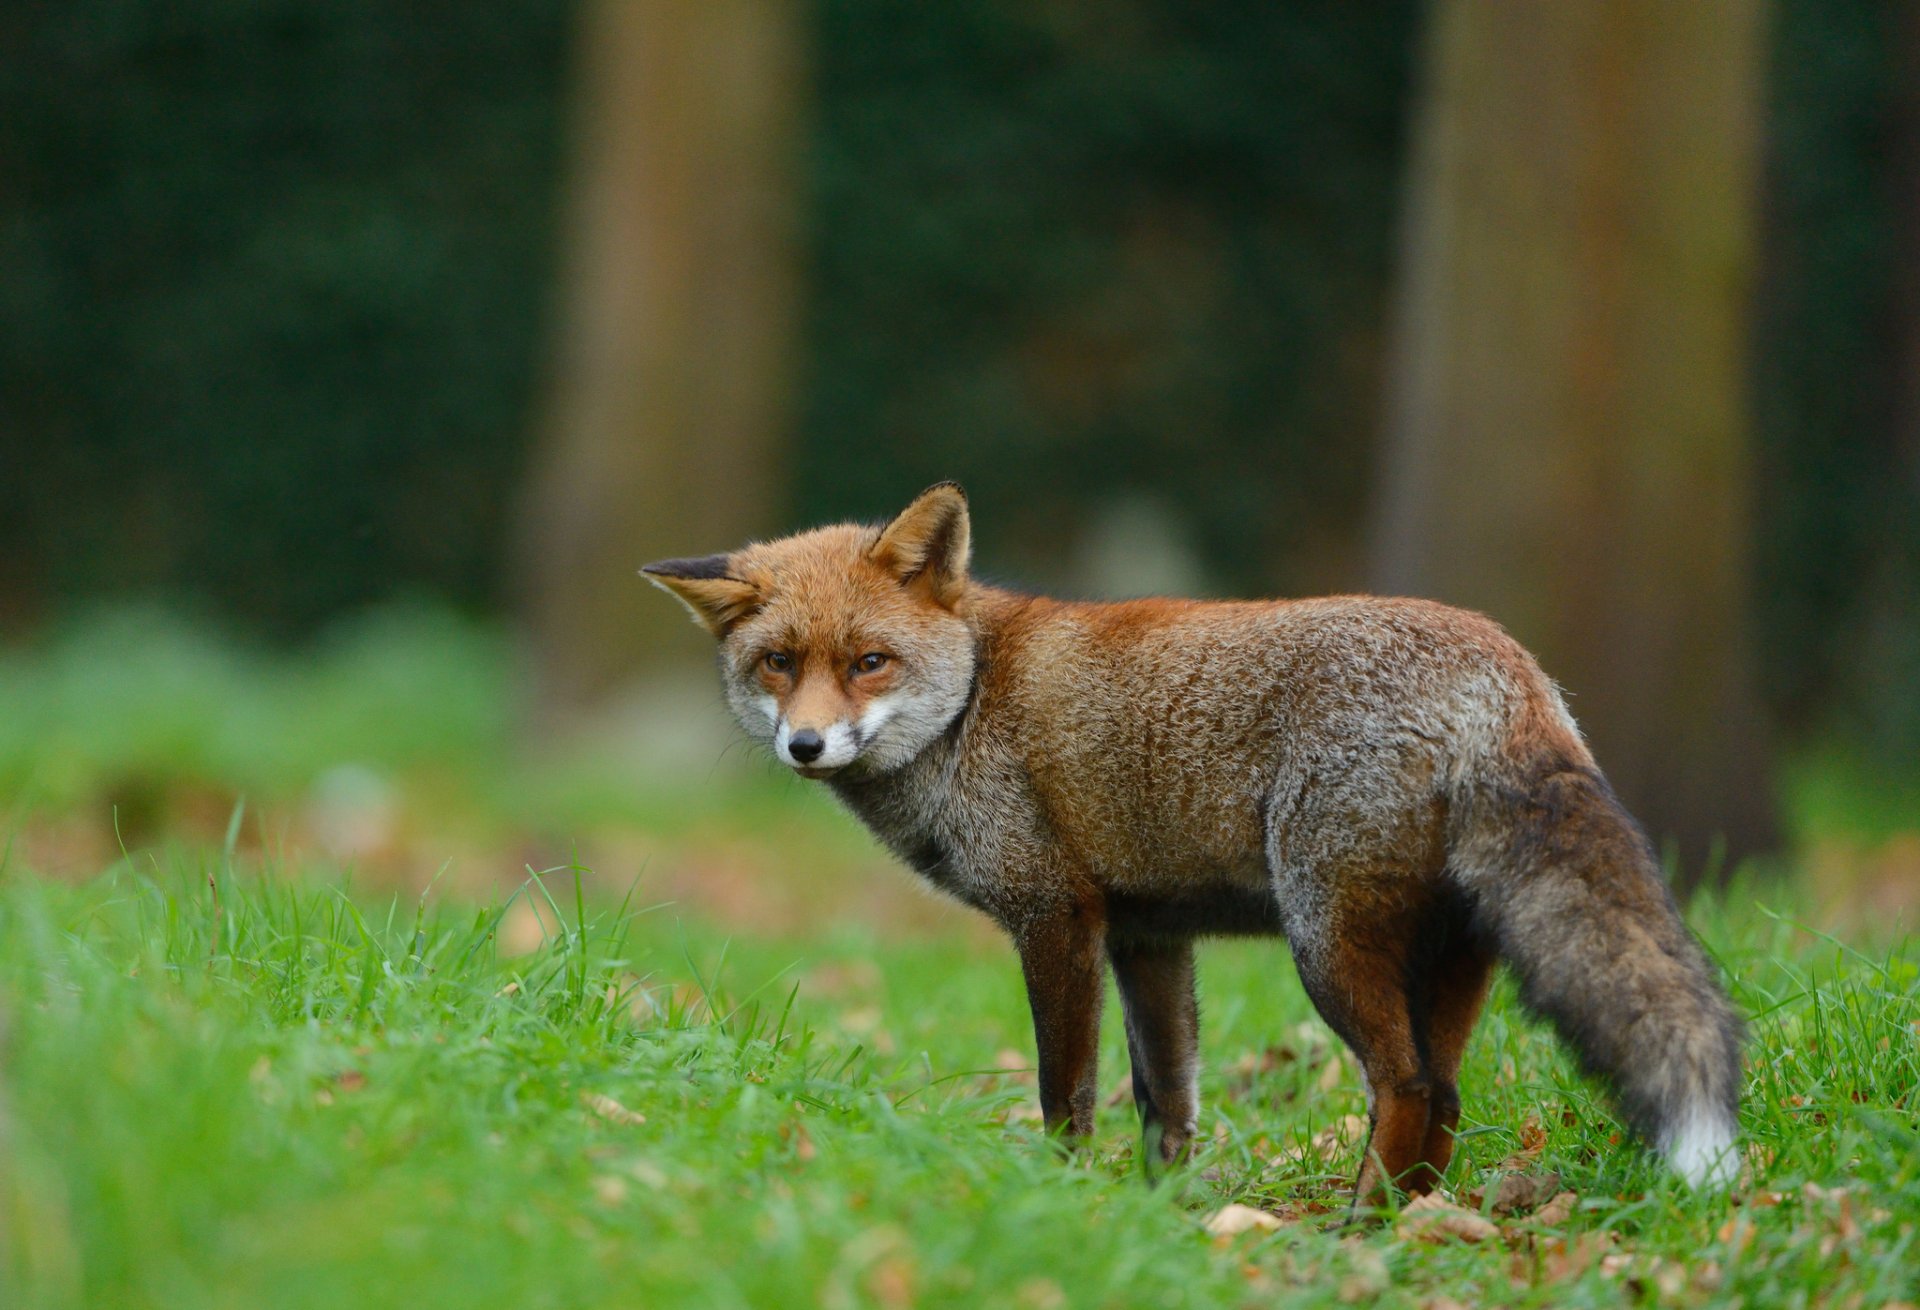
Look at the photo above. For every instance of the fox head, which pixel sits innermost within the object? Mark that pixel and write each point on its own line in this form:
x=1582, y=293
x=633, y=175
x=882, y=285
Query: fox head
x=847, y=647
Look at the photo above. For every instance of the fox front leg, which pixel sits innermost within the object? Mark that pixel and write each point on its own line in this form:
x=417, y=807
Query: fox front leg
x=1061, y=957
x=1163, y=1024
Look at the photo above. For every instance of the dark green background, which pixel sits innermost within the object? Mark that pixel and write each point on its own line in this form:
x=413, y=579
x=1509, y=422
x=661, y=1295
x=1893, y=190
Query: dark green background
x=275, y=279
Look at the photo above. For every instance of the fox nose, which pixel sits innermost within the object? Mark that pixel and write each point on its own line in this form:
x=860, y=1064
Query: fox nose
x=806, y=745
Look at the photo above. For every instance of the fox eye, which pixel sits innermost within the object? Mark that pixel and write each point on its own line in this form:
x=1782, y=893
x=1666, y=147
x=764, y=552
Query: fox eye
x=872, y=660
x=779, y=661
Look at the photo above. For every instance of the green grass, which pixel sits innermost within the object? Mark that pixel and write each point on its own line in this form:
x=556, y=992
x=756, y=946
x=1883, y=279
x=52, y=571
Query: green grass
x=261, y=1090
x=248, y=1086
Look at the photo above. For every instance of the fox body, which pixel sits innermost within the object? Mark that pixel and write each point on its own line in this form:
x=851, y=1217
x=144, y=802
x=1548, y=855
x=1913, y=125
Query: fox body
x=1392, y=785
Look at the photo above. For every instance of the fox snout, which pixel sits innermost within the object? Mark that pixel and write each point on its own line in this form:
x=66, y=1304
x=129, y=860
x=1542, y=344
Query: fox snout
x=816, y=750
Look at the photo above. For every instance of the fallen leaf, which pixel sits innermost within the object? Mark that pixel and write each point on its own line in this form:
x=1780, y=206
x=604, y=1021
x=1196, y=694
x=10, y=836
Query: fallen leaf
x=610, y=1110
x=1433, y=1218
x=1516, y=1192
x=1566, y=1258
x=352, y=1080
x=1643, y=1273
x=1737, y=1233
x=1556, y=1211
x=891, y=1282
x=1369, y=1277
x=1533, y=1140
x=1231, y=1220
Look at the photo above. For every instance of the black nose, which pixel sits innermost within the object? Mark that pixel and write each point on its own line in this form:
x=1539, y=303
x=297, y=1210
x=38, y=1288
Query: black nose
x=806, y=745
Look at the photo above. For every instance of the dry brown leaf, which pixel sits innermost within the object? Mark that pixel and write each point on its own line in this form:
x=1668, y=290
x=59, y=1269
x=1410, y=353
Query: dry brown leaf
x=1567, y=1258
x=891, y=1282
x=1252, y=1065
x=1533, y=1140
x=352, y=1080
x=1644, y=1273
x=1232, y=1220
x=1369, y=1277
x=610, y=1110
x=1433, y=1218
x=1516, y=1192
x=1737, y=1233
x=1442, y=1303
x=1556, y=1211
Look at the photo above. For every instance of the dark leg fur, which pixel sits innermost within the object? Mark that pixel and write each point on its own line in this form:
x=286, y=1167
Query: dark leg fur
x=1403, y=992
x=1358, y=982
x=1447, y=1003
x=1157, y=991
x=1061, y=957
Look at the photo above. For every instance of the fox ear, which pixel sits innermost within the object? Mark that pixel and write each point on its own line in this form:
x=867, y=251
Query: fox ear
x=929, y=542
x=716, y=599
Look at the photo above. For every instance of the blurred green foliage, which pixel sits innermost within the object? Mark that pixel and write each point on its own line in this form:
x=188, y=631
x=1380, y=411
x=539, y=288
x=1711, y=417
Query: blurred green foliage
x=1838, y=520
x=272, y=295
x=273, y=280
x=1070, y=250
x=128, y=699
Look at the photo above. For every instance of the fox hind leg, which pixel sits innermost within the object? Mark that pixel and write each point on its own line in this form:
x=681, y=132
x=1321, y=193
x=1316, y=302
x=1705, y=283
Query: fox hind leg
x=1447, y=1003
x=1358, y=984
x=1163, y=1022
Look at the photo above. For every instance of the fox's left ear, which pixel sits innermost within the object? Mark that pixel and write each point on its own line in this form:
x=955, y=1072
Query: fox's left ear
x=929, y=542
x=716, y=598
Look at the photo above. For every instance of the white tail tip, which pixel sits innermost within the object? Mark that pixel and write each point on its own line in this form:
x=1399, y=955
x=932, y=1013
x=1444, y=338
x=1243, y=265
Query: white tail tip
x=1700, y=1148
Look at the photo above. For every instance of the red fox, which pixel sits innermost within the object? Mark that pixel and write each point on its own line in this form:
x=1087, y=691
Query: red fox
x=1392, y=785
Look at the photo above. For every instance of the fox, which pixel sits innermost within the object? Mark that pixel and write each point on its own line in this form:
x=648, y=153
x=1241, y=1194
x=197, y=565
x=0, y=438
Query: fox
x=1391, y=785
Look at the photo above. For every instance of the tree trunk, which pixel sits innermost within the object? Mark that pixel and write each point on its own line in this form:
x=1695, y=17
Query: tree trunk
x=669, y=406
x=1567, y=436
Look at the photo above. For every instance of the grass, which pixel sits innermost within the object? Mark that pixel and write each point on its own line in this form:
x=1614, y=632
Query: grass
x=258, y=1089
x=232, y=1074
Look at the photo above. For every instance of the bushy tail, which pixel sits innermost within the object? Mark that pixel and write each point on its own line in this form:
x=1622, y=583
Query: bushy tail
x=1569, y=890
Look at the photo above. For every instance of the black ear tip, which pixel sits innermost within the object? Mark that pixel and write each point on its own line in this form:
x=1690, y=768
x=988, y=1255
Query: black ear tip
x=703, y=569
x=947, y=485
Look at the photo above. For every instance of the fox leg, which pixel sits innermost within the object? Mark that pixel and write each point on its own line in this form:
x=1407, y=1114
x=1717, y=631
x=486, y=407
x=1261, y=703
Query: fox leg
x=1060, y=956
x=1163, y=1021
x=1358, y=984
x=1453, y=991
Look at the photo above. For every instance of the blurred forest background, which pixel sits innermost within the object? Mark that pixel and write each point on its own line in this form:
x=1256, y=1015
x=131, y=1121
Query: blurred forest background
x=1603, y=319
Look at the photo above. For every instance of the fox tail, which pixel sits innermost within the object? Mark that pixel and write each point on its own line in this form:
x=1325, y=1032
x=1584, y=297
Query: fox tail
x=1569, y=891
